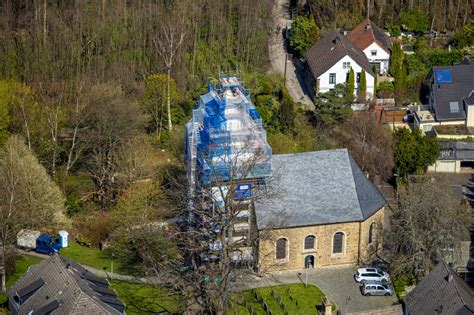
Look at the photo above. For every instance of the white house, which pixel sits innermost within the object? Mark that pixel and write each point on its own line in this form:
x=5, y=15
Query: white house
x=375, y=44
x=329, y=61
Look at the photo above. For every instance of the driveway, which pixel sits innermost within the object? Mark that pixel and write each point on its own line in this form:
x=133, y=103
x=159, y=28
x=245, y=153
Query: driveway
x=337, y=283
x=277, y=52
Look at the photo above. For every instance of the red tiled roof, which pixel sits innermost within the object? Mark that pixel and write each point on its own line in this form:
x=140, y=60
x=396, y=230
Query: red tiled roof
x=368, y=32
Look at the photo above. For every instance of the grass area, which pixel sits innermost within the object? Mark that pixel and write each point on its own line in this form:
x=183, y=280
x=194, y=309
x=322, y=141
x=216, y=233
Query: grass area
x=399, y=285
x=89, y=256
x=21, y=266
x=147, y=299
x=297, y=298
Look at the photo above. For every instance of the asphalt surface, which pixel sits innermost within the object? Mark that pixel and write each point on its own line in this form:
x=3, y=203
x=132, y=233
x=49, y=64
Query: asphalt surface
x=277, y=52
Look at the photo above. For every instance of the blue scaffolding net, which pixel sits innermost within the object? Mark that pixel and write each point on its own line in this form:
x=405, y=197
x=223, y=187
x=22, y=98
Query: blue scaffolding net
x=225, y=138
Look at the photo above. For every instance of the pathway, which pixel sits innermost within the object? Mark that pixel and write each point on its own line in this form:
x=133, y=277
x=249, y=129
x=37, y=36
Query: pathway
x=277, y=52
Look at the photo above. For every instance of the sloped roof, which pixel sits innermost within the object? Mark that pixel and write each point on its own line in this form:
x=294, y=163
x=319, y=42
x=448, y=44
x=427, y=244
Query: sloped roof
x=313, y=188
x=459, y=87
x=332, y=48
x=66, y=286
x=441, y=291
x=366, y=33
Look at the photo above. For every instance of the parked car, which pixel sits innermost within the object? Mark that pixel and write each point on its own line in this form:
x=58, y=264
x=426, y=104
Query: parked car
x=371, y=274
x=45, y=244
x=376, y=288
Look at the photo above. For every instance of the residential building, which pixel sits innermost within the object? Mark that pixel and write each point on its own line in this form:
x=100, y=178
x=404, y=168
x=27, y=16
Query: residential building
x=440, y=292
x=324, y=212
x=451, y=97
x=58, y=285
x=450, y=116
x=329, y=61
x=374, y=42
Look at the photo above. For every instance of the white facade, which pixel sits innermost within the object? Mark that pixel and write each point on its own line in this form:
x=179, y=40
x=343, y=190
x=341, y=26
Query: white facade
x=340, y=72
x=378, y=56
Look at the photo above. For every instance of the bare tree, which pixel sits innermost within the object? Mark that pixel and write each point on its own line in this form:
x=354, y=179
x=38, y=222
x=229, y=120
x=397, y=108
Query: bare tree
x=430, y=220
x=111, y=123
x=214, y=236
x=171, y=35
x=369, y=143
x=78, y=113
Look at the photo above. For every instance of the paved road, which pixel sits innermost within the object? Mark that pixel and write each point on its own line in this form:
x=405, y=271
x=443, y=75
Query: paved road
x=337, y=283
x=277, y=52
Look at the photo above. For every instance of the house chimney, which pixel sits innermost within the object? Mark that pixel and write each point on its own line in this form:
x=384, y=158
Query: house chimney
x=449, y=277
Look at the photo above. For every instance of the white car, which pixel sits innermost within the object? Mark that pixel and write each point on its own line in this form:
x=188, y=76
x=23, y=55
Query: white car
x=371, y=274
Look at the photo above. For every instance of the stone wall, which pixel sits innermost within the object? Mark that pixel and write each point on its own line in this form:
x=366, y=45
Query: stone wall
x=356, y=233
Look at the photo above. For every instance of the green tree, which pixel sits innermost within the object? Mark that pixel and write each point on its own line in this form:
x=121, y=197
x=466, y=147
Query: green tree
x=465, y=36
x=401, y=84
x=154, y=102
x=415, y=20
x=333, y=107
x=287, y=112
x=350, y=84
x=441, y=57
x=393, y=29
x=363, y=87
x=304, y=34
x=28, y=196
x=396, y=60
x=414, y=152
x=376, y=75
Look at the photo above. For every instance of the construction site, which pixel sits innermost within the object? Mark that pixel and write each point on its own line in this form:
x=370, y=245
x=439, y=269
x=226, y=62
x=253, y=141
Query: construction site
x=227, y=157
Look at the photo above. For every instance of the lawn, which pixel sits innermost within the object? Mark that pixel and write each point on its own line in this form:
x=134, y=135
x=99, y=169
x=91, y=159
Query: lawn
x=297, y=298
x=22, y=265
x=89, y=256
x=147, y=299
x=399, y=285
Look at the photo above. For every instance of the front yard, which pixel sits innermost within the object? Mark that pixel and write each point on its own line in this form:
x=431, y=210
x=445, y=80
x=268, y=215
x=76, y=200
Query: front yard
x=282, y=299
x=147, y=299
x=90, y=256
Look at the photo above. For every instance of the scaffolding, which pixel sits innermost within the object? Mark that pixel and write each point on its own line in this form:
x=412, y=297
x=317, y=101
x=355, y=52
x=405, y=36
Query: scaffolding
x=224, y=134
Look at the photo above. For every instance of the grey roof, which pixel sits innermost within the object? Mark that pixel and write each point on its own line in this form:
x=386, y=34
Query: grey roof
x=458, y=90
x=67, y=283
x=470, y=99
x=332, y=48
x=456, y=150
x=441, y=290
x=313, y=188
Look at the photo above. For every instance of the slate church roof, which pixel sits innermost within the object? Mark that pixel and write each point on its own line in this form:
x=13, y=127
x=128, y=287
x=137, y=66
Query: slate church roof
x=441, y=292
x=366, y=33
x=58, y=285
x=314, y=188
x=332, y=48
